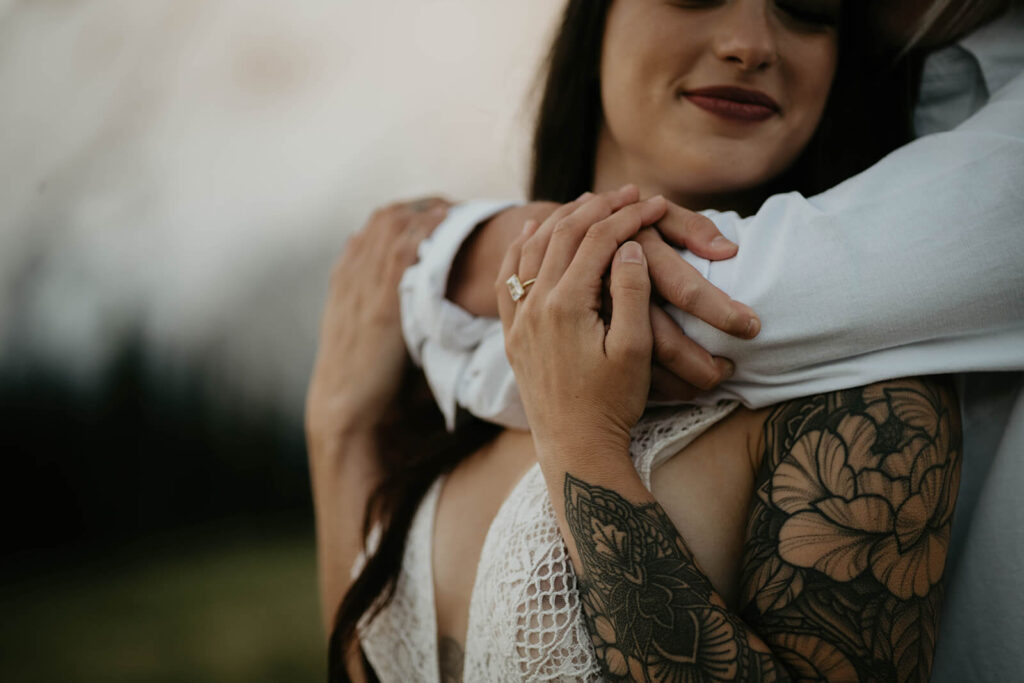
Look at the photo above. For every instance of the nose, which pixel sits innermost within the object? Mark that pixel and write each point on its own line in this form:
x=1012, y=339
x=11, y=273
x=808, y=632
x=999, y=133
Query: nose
x=745, y=36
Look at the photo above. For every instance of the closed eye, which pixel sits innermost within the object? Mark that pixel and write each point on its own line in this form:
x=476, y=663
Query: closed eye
x=811, y=13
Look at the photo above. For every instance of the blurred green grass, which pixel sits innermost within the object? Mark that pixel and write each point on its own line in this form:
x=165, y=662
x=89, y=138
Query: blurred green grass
x=218, y=609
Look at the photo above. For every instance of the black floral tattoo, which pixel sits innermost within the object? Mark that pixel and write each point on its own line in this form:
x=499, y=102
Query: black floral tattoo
x=651, y=613
x=843, y=565
x=847, y=539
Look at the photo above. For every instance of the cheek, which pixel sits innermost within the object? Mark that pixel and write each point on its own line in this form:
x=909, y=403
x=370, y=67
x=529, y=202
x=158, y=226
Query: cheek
x=813, y=81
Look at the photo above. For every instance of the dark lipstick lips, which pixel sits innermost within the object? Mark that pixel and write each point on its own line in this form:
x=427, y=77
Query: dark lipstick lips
x=734, y=103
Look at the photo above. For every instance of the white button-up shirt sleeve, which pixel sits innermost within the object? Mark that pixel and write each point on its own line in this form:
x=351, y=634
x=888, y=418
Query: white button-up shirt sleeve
x=915, y=266
x=463, y=357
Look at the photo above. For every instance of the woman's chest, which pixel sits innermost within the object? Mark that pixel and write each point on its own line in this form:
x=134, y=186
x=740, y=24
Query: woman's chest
x=468, y=503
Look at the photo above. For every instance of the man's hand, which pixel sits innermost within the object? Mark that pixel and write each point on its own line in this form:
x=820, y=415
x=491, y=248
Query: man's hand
x=682, y=368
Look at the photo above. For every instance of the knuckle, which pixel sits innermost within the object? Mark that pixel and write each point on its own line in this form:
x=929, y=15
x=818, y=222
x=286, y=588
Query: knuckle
x=596, y=233
x=563, y=225
x=604, y=202
x=665, y=352
x=557, y=308
x=631, y=279
x=685, y=294
x=404, y=253
x=561, y=212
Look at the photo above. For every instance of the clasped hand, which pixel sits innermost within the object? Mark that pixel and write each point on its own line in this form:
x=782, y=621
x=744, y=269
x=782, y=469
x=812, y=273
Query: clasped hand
x=361, y=355
x=582, y=378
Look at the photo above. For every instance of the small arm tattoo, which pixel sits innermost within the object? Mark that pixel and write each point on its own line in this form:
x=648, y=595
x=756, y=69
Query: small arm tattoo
x=451, y=659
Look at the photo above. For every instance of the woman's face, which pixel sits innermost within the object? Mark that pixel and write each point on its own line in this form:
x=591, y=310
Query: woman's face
x=706, y=99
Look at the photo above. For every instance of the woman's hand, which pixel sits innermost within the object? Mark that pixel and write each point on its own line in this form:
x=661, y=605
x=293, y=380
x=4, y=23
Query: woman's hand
x=361, y=354
x=581, y=379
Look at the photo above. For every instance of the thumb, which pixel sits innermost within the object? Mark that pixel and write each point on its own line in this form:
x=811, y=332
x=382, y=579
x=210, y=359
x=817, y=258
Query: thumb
x=630, y=330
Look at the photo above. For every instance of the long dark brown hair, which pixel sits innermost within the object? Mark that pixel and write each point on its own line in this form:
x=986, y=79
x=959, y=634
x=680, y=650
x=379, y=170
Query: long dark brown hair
x=414, y=447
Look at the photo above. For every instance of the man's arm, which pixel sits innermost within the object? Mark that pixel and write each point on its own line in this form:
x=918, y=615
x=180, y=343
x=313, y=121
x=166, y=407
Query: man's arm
x=913, y=267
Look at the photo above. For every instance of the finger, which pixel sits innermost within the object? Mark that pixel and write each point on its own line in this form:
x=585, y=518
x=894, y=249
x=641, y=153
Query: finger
x=406, y=247
x=683, y=357
x=665, y=386
x=425, y=204
x=568, y=233
x=535, y=247
x=629, y=334
x=422, y=224
x=687, y=289
x=506, y=306
x=601, y=241
x=696, y=232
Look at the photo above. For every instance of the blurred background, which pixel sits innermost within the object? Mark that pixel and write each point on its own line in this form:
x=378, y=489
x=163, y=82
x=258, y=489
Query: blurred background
x=176, y=178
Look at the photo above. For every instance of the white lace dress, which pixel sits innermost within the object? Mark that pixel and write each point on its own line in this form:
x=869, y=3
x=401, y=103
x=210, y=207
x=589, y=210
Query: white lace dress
x=525, y=618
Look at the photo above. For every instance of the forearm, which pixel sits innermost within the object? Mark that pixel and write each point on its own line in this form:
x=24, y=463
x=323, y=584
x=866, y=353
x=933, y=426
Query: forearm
x=342, y=472
x=651, y=611
x=471, y=280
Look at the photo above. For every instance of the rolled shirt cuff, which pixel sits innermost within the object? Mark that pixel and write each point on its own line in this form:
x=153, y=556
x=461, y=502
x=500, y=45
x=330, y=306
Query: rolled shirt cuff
x=441, y=336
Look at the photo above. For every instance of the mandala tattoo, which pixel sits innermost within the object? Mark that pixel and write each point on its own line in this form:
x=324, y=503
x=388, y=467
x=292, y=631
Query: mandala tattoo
x=651, y=613
x=843, y=563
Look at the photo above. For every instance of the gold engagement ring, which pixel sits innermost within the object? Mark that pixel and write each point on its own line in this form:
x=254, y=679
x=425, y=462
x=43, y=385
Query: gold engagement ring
x=517, y=289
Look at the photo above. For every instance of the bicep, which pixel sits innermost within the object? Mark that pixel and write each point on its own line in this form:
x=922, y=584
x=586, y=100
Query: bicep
x=847, y=538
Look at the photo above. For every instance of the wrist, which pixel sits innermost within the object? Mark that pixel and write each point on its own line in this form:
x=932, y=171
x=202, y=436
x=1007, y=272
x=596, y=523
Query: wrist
x=333, y=441
x=581, y=443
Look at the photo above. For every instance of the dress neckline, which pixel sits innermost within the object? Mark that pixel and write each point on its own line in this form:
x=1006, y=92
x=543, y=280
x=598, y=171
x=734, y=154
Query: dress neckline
x=474, y=594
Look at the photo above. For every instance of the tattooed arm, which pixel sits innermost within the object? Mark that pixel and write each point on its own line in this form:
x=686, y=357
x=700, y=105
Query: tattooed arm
x=842, y=578
x=848, y=534
x=849, y=530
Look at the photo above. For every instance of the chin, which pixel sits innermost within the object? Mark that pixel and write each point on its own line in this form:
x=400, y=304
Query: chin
x=717, y=174
x=722, y=191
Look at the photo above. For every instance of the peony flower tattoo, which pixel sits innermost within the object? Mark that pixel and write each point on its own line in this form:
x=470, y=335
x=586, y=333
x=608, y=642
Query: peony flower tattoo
x=858, y=499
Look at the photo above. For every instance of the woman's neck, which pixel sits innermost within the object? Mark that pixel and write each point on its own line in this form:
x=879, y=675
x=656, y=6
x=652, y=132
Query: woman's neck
x=612, y=171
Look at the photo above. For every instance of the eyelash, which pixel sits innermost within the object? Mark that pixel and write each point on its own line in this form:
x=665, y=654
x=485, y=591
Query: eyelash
x=794, y=11
x=808, y=16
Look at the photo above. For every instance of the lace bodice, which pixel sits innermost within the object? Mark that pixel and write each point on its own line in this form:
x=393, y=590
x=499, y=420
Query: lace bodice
x=525, y=618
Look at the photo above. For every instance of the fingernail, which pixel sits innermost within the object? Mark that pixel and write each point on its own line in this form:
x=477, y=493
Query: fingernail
x=627, y=186
x=585, y=195
x=727, y=367
x=721, y=243
x=529, y=225
x=631, y=253
x=753, y=327
x=655, y=200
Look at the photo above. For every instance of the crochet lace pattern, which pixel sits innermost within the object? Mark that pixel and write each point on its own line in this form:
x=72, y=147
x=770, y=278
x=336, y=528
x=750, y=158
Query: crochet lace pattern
x=525, y=617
